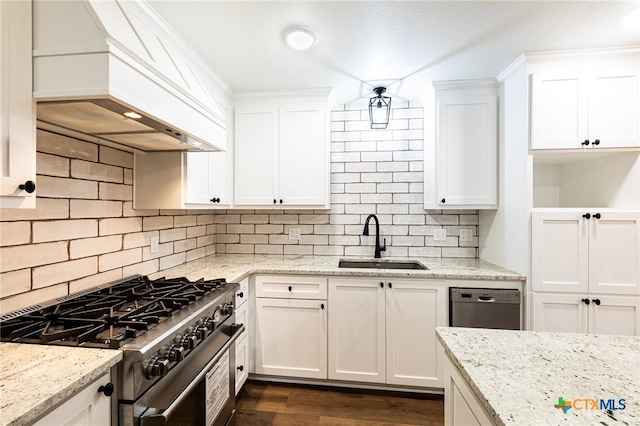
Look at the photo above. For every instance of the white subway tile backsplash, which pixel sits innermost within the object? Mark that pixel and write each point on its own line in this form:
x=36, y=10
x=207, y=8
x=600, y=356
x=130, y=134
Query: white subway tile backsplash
x=107, y=277
x=80, y=209
x=113, y=191
x=55, y=187
x=173, y=260
x=45, y=276
x=58, y=230
x=119, y=259
x=30, y=255
x=120, y=225
x=153, y=223
x=81, y=169
x=66, y=147
x=15, y=282
x=94, y=246
x=15, y=233
x=52, y=165
x=115, y=157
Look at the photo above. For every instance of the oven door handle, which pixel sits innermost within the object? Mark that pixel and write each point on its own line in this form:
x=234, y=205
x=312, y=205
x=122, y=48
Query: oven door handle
x=165, y=415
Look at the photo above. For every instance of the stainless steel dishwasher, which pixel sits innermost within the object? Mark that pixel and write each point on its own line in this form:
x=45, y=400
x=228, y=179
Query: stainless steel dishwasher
x=484, y=308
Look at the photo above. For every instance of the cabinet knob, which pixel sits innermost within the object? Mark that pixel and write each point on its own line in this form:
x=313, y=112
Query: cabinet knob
x=280, y=200
x=215, y=200
x=443, y=201
x=28, y=186
x=290, y=288
x=586, y=301
x=587, y=215
x=241, y=295
x=585, y=143
x=596, y=301
x=390, y=285
x=596, y=142
x=274, y=201
x=107, y=389
x=597, y=215
x=381, y=285
x=322, y=306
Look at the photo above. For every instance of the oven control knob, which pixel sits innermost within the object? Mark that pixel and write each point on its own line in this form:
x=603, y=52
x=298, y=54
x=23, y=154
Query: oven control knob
x=200, y=331
x=209, y=323
x=157, y=367
x=174, y=353
x=227, y=309
x=188, y=341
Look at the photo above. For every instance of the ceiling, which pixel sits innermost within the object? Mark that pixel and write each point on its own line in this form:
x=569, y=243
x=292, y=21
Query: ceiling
x=403, y=45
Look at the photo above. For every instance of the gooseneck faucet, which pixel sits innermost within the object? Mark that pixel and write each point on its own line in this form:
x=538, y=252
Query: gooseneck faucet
x=366, y=232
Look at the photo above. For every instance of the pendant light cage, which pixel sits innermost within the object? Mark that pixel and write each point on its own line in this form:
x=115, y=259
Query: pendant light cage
x=379, y=109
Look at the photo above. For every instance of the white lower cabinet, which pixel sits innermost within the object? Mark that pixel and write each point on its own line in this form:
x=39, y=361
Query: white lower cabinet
x=87, y=407
x=290, y=333
x=461, y=407
x=585, y=313
x=383, y=331
x=242, y=362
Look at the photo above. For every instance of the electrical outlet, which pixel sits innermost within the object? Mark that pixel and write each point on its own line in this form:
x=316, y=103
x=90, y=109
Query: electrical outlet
x=294, y=234
x=466, y=235
x=154, y=243
x=440, y=234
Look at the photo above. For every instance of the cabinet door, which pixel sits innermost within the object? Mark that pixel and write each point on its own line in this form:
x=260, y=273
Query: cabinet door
x=291, y=338
x=614, y=253
x=357, y=330
x=614, y=107
x=461, y=407
x=208, y=179
x=303, y=153
x=86, y=407
x=614, y=315
x=255, y=151
x=17, y=109
x=559, y=251
x=467, y=152
x=559, y=110
x=560, y=313
x=413, y=311
x=242, y=362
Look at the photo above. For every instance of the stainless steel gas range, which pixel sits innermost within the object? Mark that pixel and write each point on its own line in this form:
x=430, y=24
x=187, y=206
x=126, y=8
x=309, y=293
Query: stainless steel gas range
x=177, y=337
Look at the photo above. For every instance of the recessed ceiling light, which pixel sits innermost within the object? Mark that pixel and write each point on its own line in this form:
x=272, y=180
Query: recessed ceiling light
x=300, y=38
x=131, y=114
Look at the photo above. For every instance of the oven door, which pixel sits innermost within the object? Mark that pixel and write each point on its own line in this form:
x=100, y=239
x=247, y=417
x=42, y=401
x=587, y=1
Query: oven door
x=200, y=390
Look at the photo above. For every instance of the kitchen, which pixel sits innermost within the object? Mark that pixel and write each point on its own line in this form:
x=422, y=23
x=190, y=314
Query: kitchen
x=96, y=220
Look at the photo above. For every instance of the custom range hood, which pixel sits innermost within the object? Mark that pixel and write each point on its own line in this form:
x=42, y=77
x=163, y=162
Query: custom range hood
x=112, y=70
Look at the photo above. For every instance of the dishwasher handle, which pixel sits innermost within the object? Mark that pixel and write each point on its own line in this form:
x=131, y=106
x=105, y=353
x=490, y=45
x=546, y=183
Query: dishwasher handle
x=486, y=299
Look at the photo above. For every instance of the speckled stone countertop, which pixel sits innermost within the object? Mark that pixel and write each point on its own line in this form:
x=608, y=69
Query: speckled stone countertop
x=518, y=376
x=36, y=378
x=235, y=267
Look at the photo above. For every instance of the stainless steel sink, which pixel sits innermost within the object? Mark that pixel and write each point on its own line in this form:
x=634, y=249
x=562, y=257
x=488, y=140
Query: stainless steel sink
x=381, y=264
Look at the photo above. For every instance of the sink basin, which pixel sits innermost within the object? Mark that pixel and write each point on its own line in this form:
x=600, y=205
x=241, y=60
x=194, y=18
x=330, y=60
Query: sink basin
x=381, y=264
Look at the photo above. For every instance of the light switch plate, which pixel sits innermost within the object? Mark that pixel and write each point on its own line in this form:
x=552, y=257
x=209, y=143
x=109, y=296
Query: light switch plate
x=154, y=242
x=466, y=235
x=294, y=234
x=440, y=235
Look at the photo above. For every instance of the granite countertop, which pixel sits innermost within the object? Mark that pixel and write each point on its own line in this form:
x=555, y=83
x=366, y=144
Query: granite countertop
x=235, y=267
x=36, y=378
x=518, y=376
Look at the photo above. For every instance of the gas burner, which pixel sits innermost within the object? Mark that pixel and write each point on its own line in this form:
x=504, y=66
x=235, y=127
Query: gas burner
x=111, y=316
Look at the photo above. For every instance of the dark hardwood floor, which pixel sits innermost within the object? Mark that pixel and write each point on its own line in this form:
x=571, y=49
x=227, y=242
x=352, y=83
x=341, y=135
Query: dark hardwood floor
x=281, y=404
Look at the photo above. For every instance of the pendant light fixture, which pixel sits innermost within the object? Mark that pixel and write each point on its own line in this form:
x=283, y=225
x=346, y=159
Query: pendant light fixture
x=379, y=109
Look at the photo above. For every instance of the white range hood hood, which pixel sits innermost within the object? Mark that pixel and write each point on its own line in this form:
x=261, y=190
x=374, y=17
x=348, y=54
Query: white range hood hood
x=95, y=60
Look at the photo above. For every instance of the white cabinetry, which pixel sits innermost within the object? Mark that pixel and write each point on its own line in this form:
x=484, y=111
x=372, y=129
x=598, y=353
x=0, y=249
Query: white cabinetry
x=175, y=180
x=466, y=155
x=282, y=150
x=291, y=327
x=461, y=407
x=242, y=344
x=591, y=106
x=586, y=271
x=87, y=407
x=383, y=331
x=17, y=109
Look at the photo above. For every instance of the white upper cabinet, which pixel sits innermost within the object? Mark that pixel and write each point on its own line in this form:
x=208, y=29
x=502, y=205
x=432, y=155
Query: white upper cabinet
x=282, y=151
x=17, y=109
x=591, y=106
x=466, y=147
x=182, y=180
x=586, y=251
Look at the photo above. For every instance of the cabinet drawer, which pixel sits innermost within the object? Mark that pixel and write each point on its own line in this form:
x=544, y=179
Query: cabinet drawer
x=291, y=287
x=242, y=362
x=242, y=295
x=242, y=316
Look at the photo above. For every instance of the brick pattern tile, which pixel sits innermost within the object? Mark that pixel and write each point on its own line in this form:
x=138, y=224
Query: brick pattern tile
x=84, y=231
